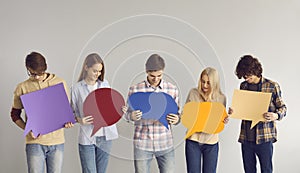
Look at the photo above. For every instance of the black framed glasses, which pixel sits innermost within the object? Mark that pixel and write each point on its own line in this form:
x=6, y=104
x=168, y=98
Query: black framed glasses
x=30, y=74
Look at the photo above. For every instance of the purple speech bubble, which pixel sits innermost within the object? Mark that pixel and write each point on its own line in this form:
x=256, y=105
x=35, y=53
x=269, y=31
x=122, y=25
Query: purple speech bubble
x=47, y=110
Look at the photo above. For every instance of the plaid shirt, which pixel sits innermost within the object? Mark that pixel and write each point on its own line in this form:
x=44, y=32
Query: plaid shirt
x=265, y=131
x=151, y=135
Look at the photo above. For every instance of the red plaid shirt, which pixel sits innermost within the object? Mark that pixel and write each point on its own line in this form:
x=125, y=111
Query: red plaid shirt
x=151, y=135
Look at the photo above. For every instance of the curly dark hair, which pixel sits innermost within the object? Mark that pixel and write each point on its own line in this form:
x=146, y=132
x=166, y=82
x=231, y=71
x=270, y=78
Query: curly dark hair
x=248, y=65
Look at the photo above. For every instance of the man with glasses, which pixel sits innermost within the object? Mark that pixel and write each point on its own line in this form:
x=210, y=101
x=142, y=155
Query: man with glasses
x=43, y=150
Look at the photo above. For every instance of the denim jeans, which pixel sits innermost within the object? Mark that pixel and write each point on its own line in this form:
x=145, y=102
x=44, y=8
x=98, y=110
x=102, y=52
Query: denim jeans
x=263, y=151
x=165, y=160
x=195, y=152
x=94, y=158
x=39, y=156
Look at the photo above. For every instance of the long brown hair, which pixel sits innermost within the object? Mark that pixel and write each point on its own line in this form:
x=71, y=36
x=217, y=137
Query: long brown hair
x=89, y=61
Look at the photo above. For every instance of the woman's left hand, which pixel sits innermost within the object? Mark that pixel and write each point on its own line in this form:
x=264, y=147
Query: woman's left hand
x=226, y=120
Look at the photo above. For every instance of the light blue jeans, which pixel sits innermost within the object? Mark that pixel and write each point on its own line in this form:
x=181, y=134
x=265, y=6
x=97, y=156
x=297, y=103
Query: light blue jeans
x=39, y=156
x=94, y=158
x=165, y=160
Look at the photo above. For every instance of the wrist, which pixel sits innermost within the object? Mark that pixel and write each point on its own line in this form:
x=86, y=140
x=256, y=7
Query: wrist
x=278, y=117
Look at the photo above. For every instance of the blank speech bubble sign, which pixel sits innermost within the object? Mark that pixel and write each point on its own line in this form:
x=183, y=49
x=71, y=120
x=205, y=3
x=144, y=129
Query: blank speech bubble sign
x=153, y=105
x=105, y=106
x=47, y=110
x=250, y=105
x=204, y=117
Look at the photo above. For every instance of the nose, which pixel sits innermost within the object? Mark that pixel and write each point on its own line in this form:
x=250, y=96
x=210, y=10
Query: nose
x=247, y=79
x=155, y=78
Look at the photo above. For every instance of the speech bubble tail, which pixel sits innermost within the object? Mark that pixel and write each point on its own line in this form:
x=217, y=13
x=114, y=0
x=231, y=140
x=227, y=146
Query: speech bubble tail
x=93, y=133
x=35, y=133
x=254, y=122
x=164, y=121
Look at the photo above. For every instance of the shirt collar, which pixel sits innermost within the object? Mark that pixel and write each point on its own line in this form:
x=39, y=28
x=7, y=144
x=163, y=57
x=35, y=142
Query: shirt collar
x=160, y=86
x=83, y=83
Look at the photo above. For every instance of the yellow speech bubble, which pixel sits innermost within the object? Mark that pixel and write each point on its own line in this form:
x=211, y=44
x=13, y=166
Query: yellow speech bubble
x=204, y=117
x=250, y=105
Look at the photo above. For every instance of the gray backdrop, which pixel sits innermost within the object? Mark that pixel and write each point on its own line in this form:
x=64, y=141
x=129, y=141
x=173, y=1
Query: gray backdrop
x=189, y=35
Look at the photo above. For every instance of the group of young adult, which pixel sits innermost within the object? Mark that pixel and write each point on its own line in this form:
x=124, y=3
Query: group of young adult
x=151, y=138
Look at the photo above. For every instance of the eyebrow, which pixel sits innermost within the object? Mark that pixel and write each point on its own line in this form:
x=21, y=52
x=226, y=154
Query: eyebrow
x=155, y=76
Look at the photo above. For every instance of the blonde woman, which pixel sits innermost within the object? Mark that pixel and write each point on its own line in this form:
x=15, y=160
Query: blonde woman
x=202, y=148
x=93, y=151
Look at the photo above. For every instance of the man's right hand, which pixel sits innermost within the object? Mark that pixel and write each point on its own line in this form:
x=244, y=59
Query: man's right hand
x=136, y=115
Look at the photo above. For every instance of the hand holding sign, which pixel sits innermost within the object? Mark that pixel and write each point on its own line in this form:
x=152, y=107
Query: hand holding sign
x=153, y=105
x=204, y=117
x=250, y=105
x=105, y=106
x=47, y=110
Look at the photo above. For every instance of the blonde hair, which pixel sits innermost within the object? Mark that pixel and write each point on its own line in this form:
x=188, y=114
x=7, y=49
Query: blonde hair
x=89, y=61
x=214, y=81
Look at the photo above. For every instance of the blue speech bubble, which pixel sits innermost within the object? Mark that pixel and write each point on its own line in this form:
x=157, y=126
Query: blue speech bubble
x=47, y=110
x=153, y=105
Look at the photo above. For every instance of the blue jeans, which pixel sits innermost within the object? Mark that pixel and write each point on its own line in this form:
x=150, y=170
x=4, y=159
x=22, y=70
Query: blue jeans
x=40, y=155
x=195, y=151
x=263, y=151
x=165, y=160
x=94, y=158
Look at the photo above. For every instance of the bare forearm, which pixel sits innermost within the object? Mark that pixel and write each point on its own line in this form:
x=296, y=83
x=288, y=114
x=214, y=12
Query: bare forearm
x=20, y=123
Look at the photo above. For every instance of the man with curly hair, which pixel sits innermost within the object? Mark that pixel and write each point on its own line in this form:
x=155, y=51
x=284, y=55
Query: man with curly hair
x=259, y=140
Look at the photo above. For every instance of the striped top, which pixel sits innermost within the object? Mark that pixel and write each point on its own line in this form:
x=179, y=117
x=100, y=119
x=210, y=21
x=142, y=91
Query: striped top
x=151, y=135
x=265, y=131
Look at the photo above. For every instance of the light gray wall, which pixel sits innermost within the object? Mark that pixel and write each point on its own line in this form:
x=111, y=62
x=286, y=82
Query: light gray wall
x=190, y=35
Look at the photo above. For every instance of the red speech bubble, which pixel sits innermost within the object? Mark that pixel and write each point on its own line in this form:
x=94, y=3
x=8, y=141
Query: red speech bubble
x=105, y=106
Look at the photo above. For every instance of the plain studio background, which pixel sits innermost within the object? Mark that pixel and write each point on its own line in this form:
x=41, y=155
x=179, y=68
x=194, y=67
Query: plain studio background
x=65, y=31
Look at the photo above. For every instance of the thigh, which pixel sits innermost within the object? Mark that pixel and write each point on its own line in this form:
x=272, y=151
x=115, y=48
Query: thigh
x=166, y=161
x=142, y=160
x=54, y=158
x=102, y=154
x=193, y=156
x=87, y=158
x=103, y=144
x=35, y=156
x=249, y=157
x=210, y=157
x=265, y=154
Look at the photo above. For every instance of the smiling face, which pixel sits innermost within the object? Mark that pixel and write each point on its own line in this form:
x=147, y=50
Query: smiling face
x=93, y=72
x=154, y=77
x=39, y=76
x=205, y=84
x=251, y=79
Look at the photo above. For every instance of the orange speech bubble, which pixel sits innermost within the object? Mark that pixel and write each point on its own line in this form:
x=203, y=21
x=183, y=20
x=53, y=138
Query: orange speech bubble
x=250, y=105
x=204, y=117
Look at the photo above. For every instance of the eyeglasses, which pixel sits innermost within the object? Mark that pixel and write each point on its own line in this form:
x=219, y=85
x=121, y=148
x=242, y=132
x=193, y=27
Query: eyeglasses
x=34, y=74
